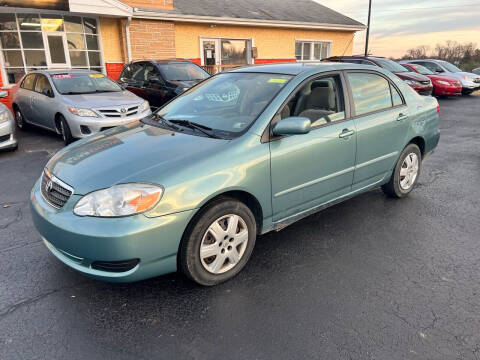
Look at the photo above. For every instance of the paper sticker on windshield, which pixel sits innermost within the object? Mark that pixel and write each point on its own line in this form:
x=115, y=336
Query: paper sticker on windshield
x=278, y=81
x=63, y=76
x=96, y=75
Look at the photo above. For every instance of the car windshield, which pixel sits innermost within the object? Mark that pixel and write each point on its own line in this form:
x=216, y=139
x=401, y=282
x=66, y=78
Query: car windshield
x=85, y=83
x=183, y=72
x=228, y=103
x=450, y=67
x=391, y=65
x=422, y=69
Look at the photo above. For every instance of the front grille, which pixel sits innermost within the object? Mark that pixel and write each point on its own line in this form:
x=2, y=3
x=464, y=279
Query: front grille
x=425, y=82
x=4, y=138
x=477, y=80
x=115, y=266
x=119, y=113
x=54, y=191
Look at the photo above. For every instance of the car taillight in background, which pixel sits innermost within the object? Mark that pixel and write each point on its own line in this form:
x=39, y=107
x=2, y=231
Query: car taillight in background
x=438, y=109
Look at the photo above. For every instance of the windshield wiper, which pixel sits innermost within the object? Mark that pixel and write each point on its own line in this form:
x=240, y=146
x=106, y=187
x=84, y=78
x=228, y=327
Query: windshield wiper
x=78, y=92
x=195, y=126
x=158, y=118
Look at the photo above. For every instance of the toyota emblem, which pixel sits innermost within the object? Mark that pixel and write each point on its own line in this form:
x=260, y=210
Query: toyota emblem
x=49, y=186
x=123, y=110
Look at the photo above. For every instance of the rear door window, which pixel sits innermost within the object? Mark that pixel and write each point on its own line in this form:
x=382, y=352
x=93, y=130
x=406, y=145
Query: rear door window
x=371, y=92
x=396, y=98
x=29, y=82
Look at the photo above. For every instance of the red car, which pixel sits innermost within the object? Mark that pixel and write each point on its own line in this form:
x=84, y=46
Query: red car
x=442, y=85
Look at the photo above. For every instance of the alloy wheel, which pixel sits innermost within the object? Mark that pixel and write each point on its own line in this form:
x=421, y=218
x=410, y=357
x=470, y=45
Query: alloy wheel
x=409, y=171
x=223, y=244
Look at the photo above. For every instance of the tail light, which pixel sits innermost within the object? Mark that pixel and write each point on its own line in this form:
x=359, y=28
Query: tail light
x=438, y=109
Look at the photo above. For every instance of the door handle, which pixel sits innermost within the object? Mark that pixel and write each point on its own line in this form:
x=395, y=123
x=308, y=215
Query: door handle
x=402, y=117
x=345, y=134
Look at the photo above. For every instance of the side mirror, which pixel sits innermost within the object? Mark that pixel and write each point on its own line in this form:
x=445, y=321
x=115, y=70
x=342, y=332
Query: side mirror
x=292, y=126
x=438, y=71
x=3, y=94
x=47, y=92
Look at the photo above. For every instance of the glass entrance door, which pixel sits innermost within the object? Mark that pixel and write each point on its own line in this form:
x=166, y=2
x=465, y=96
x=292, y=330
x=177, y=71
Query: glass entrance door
x=56, y=46
x=210, y=51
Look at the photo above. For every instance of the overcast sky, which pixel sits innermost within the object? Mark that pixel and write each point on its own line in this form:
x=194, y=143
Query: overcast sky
x=398, y=25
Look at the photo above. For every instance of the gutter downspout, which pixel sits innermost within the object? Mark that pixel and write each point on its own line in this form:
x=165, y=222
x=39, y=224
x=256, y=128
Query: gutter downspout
x=127, y=39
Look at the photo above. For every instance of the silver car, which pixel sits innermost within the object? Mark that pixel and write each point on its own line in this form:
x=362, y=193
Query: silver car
x=470, y=82
x=7, y=127
x=476, y=71
x=74, y=103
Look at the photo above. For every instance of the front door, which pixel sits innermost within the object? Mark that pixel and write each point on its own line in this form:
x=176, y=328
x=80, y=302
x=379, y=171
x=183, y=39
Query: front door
x=312, y=169
x=56, y=49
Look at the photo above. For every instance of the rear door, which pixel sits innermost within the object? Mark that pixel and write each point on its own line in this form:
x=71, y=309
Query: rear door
x=24, y=96
x=381, y=121
x=312, y=169
x=43, y=106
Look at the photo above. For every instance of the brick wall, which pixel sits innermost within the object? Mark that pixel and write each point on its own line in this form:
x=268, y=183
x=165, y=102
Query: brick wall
x=150, y=4
x=152, y=39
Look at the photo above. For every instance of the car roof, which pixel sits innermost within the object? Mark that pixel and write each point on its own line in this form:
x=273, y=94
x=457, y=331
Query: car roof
x=65, y=71
x=164, y=61
x=294, y=68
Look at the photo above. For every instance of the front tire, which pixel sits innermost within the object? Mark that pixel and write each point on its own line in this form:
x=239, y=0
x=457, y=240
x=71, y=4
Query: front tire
x=218, y=243
x=65, y=130
x=406, y=173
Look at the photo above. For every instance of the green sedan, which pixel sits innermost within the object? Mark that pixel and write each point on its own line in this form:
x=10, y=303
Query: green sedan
x=243, y=153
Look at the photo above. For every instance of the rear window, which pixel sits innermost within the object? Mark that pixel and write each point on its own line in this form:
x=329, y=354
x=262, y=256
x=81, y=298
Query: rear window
x=182, y=72
x=72, y=84
x=28, y=82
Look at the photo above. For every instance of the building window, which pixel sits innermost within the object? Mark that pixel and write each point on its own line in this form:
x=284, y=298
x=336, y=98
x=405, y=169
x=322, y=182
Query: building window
x=32, y=41
x=312, y=50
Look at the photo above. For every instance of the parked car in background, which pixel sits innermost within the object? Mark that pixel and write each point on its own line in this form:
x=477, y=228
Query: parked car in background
x=470, y=82
x=442, y=85
x=243, y=153
x=420, y=83
x=74, y=103
x=476, y=71
x=159, y=81
x=7, y=127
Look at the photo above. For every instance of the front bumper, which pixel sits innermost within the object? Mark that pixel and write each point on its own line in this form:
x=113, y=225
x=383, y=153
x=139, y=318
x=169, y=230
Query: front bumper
x=447, y=90
x=79, y=241
x=95, y=125
x=7, y=135
x=470, y=85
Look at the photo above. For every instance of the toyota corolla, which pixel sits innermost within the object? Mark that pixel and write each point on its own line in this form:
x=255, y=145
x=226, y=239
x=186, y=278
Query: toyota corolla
x=243, y=153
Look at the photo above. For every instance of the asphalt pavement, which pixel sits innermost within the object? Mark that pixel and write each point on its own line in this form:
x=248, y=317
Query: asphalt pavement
x=371, y=278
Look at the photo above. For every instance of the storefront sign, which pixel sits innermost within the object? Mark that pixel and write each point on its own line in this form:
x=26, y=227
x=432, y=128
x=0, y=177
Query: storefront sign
x=37, y=4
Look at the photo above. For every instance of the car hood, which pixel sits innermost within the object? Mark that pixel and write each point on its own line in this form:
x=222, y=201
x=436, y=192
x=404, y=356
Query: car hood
x=106, y=99
x=131, y=153
x=441, y=77
x=411, y=76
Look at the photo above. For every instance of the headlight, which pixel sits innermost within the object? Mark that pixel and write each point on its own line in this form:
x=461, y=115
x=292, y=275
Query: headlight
x=412, y=82
x=5, y=116
x=443, y=82
x=145, y=106
x=82, y=112
x=119, y=200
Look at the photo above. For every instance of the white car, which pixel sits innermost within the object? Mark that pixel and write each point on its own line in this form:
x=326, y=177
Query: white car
x=7, y=127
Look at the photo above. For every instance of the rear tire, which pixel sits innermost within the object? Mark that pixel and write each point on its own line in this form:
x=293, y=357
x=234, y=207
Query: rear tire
x=406, y=173
x=218, y=243
x=20, y=120
x=65, y=130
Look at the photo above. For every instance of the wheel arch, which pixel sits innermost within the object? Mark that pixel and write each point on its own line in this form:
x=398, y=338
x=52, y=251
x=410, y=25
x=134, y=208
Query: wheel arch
x=420, y=142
